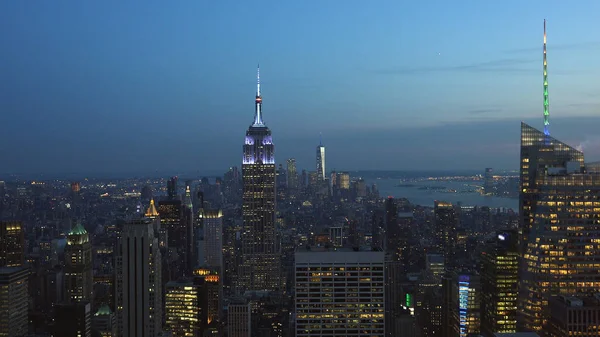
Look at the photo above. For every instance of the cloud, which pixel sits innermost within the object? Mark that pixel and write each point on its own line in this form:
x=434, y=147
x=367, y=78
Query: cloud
x=483, y=111
x=499, y=66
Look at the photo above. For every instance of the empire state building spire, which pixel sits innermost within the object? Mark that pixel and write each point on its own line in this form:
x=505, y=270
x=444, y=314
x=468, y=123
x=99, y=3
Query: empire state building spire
x=258, y=102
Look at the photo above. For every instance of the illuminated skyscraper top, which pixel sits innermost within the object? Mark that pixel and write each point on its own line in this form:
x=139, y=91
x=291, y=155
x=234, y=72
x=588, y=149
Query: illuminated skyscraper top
x=546, y=103
x=258, y=102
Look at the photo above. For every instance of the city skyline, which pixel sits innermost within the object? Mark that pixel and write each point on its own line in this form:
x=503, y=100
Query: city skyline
x=121, y=95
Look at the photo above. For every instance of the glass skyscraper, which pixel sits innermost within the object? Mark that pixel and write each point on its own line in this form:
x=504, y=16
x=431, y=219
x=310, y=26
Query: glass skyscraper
x=559, y=225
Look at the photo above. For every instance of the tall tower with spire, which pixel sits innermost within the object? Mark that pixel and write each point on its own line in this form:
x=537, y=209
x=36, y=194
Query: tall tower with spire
x=546, y=102
x=260, y=265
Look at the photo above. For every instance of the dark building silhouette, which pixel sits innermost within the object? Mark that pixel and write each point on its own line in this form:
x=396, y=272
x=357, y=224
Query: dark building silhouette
x=172, y=188
x=73, y=320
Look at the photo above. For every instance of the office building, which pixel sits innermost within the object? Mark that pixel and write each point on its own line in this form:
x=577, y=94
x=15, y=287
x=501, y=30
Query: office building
x=104, y=322
x=292, y=175
x=182, y=309
x=321, y=175
x=79, y=278
x=574, y=316
x=14, y=301
x=343, y=181
x=239, y=319
x=176, y=220
x=209, y=283
x=348, y=283
x=73, y=319
x=172, y=188
x=499, y=284
x=260, y=265
x=12, y=244
x=434, y=265
x=464, y=309
x=559, y=203
x=138, y=266
x=446, y=223
x=213, y=238
x=428, y=306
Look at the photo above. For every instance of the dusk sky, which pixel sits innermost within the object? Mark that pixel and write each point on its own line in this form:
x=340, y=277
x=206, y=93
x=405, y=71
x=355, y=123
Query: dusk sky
x=111, y=86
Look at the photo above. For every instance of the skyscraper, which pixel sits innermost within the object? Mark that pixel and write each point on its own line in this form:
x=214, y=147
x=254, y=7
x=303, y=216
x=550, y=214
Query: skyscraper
x=182, y=308
x=213, y=238
x=499, y=284
x=488, y=181
x=446, y=221
x=12, y=244
x=559, y=203
x=14, y=299
x=321, y=162
x=79, y=279
x=292, y=174
x=176, y=219
x=172, y=188
x=260, y=265
x=138, y=281
x=349, y=287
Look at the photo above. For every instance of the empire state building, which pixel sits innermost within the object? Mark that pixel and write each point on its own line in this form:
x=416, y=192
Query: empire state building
x=260, y=265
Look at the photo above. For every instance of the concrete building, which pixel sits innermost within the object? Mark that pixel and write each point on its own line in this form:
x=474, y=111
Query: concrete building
x=348, y=286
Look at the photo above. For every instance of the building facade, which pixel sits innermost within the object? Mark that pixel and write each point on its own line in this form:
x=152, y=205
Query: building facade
x=138, y=266
x=260, y=265
x=79, y=279
x=559, y=225
x=339, y=292
x=14, y=301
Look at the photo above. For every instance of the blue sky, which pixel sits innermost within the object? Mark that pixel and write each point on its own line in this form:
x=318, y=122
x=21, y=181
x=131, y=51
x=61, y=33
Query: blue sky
x=109, y=86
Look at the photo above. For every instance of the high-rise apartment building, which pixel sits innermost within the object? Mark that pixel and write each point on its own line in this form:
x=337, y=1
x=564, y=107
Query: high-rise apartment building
x=14, y=301
x=182, y=309
x=260, y=265
x=321, y=175
x=559, y=203
x=499, y=284
x=213, y=238
x=79, y=279
x=349, y=287
x=138, y=267
x=12, y=244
